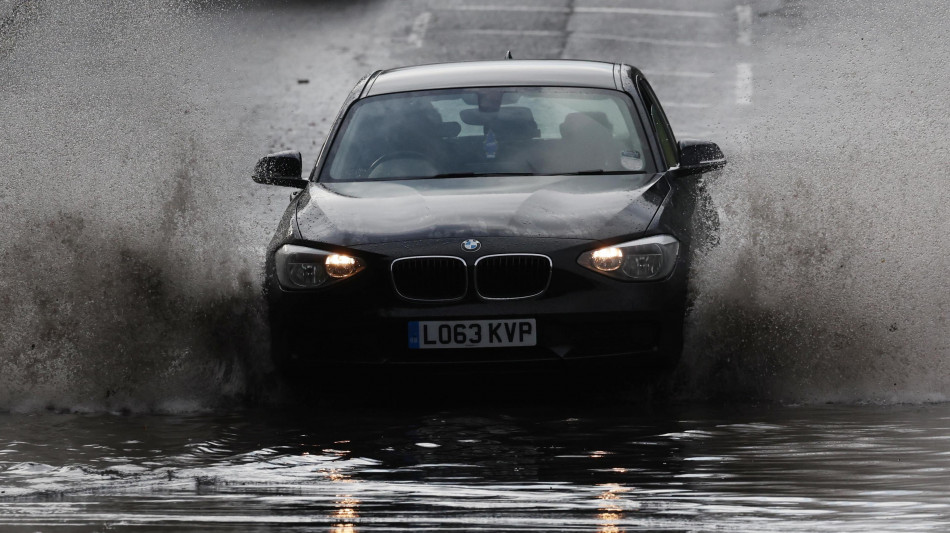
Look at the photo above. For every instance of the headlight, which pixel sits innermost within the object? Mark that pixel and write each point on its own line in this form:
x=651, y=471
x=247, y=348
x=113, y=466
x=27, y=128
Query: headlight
x=341, y=266
x=299, y=267
x=648, y=259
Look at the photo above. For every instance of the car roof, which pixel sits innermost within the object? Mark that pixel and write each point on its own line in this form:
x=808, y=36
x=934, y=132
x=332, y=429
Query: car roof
x=510, y=72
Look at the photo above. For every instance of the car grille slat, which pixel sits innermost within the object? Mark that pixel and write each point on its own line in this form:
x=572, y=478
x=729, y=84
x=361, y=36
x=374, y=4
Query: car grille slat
x=511, y=276
x=430, y=278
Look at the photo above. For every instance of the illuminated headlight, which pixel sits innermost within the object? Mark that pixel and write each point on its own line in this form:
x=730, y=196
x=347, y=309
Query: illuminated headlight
x=342, y=266
x=300, y=267
x=648, y=259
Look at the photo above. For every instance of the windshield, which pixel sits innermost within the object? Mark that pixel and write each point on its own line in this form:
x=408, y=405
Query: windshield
x=488, y=131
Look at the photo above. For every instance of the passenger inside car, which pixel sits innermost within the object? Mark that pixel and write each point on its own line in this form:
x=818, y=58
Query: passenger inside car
x=519, y=130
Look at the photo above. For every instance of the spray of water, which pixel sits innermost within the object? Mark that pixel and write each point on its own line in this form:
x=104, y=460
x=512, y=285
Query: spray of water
x=830, y=280
x=119, y=286
x=125, y=276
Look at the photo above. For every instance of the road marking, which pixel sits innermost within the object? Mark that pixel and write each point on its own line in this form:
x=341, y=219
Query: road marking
x=744, y=18
x=529, y=33
x=678, y=73
x=530, y=9
x=647, y=11
x=644, y=40
x=419, y=27
x=744, y=83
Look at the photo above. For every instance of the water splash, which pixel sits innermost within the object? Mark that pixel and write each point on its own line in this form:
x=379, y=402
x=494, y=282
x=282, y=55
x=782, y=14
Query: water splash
x=119, y=287
x=829, y=281
x=124, y=278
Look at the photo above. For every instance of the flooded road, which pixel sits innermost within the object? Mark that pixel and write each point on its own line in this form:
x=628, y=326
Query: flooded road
x=131, y=242
x=603, y=469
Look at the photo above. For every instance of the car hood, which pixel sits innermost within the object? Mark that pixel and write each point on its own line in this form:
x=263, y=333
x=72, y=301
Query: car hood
x=583, y=207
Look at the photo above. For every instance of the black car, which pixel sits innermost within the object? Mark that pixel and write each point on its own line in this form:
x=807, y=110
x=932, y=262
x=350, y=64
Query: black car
x=497, y=214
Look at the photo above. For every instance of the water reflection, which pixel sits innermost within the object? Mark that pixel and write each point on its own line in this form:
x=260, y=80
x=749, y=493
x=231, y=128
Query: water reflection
x=611, y=509
x=345, y=515
x=788, y=469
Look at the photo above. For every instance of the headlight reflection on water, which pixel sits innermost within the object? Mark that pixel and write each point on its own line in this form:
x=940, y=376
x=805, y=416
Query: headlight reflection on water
x=611, y=509
x=346, y=506
x=345, y=515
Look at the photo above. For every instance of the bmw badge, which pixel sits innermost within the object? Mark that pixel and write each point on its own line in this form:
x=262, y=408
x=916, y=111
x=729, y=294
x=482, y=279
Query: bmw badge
x=471, y=245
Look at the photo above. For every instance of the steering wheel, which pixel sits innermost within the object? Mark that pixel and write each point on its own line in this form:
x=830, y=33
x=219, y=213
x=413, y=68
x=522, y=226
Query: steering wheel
x=403, y=154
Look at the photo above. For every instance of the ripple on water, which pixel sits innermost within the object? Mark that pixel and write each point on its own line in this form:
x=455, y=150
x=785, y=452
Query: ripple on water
x=772, y=469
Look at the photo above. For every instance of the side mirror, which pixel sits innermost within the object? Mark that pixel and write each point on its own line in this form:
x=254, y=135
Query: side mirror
x=283, y=168
x=697, y=157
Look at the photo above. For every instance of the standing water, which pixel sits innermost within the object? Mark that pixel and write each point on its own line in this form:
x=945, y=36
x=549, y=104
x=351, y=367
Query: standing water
x=607, y=470
x=133, y=365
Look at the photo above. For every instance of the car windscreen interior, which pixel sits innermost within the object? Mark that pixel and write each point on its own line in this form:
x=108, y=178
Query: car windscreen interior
x=488, y=131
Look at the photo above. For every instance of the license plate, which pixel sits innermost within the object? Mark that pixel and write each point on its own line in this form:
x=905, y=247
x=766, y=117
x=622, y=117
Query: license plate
x=435, y=334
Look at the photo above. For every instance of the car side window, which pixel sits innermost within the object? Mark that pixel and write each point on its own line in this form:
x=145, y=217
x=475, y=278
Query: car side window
x=664, y=133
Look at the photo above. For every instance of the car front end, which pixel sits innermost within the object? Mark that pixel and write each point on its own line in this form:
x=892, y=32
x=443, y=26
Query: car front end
x=513, y=301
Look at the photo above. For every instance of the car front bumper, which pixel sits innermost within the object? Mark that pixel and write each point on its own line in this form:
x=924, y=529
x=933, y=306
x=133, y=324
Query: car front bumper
x=582, y=319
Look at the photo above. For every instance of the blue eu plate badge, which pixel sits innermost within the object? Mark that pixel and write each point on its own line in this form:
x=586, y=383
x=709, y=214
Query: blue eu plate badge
x=413, y=335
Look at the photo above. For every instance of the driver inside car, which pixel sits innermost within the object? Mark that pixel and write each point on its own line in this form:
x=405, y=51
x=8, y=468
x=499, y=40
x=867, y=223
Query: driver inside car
x=415, y=145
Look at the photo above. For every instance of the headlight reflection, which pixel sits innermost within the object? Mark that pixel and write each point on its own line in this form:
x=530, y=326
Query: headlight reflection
x=345, y=514
x=611, y=508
